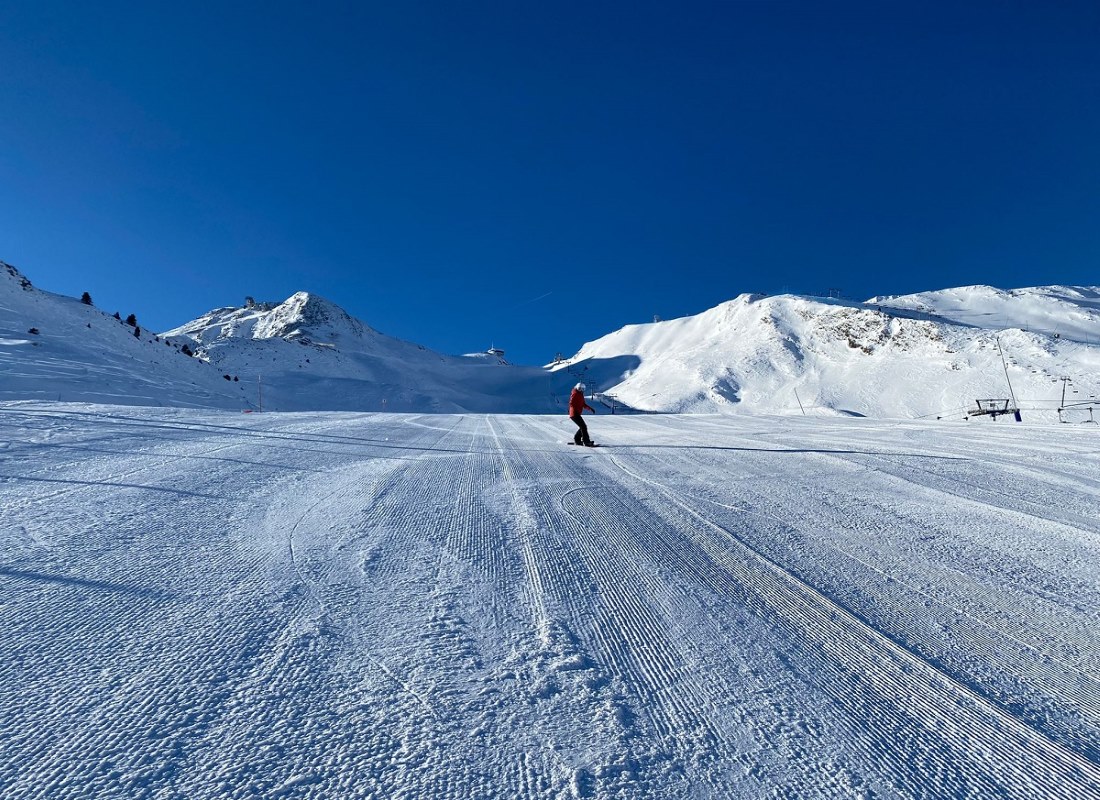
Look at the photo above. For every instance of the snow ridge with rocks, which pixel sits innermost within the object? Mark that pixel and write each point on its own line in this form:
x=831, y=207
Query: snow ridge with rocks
x=924, y=355
x=79, y=353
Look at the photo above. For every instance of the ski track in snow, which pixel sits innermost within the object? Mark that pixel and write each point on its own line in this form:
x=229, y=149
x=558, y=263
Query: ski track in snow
x=340, y=605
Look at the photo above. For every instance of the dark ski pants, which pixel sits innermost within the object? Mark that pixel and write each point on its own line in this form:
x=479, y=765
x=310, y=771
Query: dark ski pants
x=581, y=436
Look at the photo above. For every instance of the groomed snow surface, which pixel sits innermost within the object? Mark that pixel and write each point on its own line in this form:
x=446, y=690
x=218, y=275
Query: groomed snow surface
x=341, y=605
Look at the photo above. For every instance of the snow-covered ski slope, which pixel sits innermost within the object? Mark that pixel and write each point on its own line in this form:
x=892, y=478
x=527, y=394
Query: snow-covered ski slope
x=338, y=605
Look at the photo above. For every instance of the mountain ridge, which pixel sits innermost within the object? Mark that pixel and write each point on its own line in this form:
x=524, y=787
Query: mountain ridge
x=918, y=355
x=784, y=353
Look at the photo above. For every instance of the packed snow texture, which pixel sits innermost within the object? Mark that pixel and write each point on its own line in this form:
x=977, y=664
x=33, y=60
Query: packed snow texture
x=336, y=605
x=928, y=355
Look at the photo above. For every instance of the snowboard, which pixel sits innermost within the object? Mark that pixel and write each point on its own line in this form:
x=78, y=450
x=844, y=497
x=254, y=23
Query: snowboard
x=574, y=444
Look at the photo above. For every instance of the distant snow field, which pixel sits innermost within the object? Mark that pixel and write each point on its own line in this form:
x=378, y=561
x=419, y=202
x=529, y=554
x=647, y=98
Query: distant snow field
x=201, y=604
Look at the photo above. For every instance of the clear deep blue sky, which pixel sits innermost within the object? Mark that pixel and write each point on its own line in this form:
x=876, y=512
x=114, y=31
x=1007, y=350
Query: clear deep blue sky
x=536, y=175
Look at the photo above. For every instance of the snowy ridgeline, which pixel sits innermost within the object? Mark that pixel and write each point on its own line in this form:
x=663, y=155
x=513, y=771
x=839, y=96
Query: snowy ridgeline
x=214, y=606
x=887, y=358
x=926, y=355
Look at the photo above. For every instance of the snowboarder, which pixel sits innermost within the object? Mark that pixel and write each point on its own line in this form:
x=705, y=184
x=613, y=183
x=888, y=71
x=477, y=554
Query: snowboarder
x=576, y=408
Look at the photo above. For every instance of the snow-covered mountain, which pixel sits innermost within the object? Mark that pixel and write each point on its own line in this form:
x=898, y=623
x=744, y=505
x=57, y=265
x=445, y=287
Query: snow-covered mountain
x=923, y=355
x=303, y=354
x=930, y=354
x=310, y=354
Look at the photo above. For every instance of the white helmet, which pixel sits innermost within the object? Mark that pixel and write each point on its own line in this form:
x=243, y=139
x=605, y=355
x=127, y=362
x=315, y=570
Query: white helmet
x=579, y=387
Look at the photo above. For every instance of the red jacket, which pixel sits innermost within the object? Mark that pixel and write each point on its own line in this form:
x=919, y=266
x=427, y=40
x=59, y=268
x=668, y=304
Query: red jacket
x=577, y=404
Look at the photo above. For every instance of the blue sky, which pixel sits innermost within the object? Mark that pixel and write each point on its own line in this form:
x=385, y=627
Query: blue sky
x=534, y=175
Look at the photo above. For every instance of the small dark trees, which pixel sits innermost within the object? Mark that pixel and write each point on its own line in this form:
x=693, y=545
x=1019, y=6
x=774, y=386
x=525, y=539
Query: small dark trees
x=86, y=299
x=186, y=350
x=131, y=320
